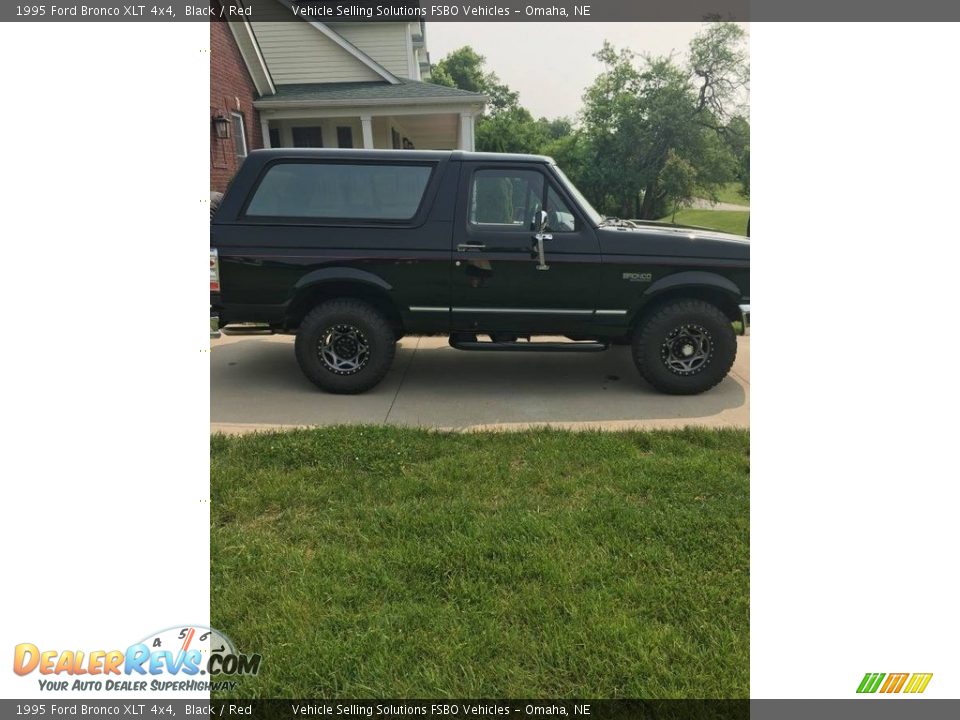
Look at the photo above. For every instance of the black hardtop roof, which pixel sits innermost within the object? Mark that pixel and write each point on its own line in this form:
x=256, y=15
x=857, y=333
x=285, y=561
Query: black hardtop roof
x=360, y=154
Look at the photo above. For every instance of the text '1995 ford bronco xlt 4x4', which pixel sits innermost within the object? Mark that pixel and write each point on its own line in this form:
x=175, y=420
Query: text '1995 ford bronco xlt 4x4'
x=353, y=249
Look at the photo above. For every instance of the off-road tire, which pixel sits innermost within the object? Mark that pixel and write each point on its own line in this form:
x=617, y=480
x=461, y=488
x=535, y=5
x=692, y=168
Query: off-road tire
x=372, y=326
x=652, y=349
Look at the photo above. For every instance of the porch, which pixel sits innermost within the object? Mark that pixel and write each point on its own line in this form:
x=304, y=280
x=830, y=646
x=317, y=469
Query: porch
x=405, y=115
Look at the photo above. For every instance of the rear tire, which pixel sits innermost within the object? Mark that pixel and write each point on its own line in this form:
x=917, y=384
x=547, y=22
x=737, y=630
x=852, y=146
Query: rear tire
x=345, y=346
x=684, y=348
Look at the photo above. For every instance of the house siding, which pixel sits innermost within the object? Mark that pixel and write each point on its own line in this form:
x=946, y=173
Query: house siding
x=231, y=90
x=385, y=43
x=296, y=52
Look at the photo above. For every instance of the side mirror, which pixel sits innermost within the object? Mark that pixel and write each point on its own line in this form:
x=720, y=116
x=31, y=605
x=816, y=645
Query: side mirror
x=540, y=221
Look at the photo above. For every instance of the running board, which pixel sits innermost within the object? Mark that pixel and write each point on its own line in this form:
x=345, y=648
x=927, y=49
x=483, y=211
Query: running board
x=529, y=346
x=248, y=329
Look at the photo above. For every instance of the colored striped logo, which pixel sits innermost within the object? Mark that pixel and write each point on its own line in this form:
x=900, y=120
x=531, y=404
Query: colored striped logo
x=894, y=682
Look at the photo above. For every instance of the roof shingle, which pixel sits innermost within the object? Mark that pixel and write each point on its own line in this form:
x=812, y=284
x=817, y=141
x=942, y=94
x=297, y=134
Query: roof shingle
x=406, y=90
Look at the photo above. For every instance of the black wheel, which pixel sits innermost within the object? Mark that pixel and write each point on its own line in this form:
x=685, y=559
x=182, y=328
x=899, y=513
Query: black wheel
x=685, y=347
x=345, y=346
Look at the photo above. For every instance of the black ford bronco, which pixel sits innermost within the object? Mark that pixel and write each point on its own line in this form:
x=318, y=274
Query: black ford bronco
x=353, y=249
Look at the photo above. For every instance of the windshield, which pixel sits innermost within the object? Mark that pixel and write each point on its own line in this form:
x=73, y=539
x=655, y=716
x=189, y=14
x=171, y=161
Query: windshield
x=594, y=216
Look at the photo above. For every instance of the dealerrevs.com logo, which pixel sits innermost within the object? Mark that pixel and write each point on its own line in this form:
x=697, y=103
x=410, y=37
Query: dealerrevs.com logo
x=182, y=658
x=910, y=683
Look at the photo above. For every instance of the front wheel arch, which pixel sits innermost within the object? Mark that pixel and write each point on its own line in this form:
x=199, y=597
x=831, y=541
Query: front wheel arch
x=724, y=300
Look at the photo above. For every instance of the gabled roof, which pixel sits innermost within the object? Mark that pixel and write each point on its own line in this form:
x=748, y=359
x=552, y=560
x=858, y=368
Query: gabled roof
x=361, y=93
x=252, y=57
x=249, y=49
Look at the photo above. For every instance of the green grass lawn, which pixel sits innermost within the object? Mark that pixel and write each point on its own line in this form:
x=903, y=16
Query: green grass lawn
x=733, y=193
x=388, y=562
x=731, y=221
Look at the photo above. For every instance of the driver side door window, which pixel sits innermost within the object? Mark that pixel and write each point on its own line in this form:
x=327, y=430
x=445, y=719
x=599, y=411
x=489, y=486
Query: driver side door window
x=505, y=199
x=511, y=199
x=560, y=217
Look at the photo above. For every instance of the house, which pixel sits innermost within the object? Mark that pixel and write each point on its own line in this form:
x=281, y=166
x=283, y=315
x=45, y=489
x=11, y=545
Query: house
x=235, y=123
x=311, y=84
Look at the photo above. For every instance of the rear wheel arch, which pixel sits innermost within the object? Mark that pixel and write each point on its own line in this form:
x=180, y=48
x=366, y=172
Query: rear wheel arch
x=309, y=295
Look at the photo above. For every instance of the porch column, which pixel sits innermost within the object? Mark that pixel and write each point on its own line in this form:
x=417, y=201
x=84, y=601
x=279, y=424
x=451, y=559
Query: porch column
x=466, y=131
x=366, y=122
x=265, y=129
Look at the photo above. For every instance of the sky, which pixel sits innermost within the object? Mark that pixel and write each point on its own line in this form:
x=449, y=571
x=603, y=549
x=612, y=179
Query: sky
x=551, y=64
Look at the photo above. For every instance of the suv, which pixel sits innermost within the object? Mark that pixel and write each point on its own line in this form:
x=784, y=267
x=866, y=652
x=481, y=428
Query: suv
x=353, y=249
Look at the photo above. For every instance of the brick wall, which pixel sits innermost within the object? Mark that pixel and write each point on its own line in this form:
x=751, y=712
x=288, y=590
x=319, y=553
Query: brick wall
x=231, y=90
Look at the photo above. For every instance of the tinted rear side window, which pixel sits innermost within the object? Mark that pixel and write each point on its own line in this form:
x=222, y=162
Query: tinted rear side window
x=340, y=190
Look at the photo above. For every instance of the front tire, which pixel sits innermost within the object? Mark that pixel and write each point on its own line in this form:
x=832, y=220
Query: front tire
x=685, y=347
x=345, y=346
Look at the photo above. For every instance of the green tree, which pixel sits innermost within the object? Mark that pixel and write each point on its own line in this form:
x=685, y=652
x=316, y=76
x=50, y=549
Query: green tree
x=643, y=120
x=570, y=153
x=678, y=178
x=440, y=76
x=737, y=137
x=640, y=110
x=557, y=128
x=720, y=68
x=505, y=126
x=464, y=68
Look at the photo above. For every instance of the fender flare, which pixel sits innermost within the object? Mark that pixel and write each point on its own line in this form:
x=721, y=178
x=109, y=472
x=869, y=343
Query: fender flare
x=338, y=274
x=692, y=278
x=317, y=279
x=684, y=279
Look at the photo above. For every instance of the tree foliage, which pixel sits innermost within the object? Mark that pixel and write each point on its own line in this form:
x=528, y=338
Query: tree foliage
x=506, y=126
x=678, y=180
x=644, y=110
x=737, y=138
x=464, y=69
x=652, y=133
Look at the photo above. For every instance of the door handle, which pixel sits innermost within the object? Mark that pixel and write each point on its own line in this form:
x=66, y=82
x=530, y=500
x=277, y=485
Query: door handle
x=466, y=247
x=541, y=257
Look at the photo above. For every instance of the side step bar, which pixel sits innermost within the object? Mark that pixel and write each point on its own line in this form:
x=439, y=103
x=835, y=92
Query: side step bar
x=528, y=346
x=248, y=329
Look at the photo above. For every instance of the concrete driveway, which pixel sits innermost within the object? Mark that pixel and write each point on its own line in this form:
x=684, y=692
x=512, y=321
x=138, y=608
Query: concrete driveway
x=255, y=384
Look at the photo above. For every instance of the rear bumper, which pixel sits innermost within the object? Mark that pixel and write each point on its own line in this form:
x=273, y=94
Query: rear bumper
x=745, y=319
